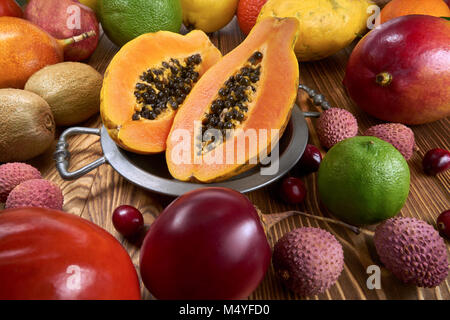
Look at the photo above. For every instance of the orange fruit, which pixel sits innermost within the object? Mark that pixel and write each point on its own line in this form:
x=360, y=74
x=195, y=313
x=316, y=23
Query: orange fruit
x=247, y=13
x=397, y=8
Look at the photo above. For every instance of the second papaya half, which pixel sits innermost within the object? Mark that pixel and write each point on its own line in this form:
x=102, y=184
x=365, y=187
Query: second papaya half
x=251, y=90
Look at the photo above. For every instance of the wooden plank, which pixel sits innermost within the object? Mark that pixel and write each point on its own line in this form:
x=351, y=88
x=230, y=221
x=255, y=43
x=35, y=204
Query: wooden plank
x=95, y=196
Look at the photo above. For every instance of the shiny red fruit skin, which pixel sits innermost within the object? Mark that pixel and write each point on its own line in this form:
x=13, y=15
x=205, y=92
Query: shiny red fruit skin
x=127, y=220
x=415, y=50
x=443, y=223
x=310, y=160
x=293, y=190
x=247, y=13
x=10, y=8
x=52, y=15
x=207, y=244
x=47, y=254
x=436, y=161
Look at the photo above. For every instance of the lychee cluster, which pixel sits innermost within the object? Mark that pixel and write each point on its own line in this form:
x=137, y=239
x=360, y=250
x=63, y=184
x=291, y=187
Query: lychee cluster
x=21, y=185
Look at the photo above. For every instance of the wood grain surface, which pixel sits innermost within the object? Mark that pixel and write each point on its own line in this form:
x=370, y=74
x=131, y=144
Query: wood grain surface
x=95, y=195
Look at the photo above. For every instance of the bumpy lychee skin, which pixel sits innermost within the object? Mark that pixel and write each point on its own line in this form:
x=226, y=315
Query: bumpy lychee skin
x=36, y=193
x=308, y=260
x=397, y=134
x=14, y=173
x=335, y=125
x=413, y=251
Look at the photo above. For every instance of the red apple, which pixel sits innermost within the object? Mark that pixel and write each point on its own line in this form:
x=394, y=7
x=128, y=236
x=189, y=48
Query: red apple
x=400, y=71
x=64, y=19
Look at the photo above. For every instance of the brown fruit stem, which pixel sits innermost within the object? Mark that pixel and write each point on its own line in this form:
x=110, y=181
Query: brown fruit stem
x=65, y=42
x=383, y=79
x=269, y=220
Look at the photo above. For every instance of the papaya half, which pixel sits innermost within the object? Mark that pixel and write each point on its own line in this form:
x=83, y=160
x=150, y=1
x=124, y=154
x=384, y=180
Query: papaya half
x=247, y=96
x=146, y=83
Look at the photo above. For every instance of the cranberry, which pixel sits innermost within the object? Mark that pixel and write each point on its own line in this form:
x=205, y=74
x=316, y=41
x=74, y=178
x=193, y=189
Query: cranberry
x=207, y=244
x=310, y=160
x=443, y=223
x=127, y=220
x=293, y=190
x=436, y=161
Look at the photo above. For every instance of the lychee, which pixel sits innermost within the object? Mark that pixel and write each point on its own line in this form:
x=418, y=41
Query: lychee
x=308, y=260
x=14, y=173
x=397, y=134
x=335, y=125
x=413, y=251
x=36, y=193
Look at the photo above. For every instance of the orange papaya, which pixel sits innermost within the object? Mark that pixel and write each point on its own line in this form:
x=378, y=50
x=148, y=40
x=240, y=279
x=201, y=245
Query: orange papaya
x=247, y=95
x=146, y=83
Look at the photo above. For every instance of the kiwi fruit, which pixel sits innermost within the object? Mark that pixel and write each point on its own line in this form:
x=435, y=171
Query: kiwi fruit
x=27, y=127
x=72, y=90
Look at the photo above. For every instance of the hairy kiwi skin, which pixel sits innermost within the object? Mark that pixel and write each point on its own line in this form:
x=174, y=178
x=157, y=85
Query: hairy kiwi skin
x=71, y=89
x=27, y=126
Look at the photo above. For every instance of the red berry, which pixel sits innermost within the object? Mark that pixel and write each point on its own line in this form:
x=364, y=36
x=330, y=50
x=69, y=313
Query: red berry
x=127, y=220
x=293, y=190
x=443, y=223
x=436, y=161
x=310, y=160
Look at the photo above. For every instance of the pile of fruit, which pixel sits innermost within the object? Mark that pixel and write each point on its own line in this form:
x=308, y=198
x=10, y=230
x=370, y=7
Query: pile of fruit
x=170, y=91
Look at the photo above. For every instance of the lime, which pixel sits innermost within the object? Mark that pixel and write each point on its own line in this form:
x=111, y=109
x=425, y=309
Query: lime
x=363, y=180
x=124, y=20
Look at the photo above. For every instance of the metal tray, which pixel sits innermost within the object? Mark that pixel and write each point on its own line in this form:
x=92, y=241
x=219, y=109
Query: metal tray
x=150, y=171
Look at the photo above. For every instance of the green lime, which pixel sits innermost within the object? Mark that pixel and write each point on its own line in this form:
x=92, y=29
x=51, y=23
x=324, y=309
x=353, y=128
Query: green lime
x=124, y=20
x=363, y=180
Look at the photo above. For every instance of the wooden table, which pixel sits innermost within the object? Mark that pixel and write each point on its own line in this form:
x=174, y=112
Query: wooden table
x=95, y=195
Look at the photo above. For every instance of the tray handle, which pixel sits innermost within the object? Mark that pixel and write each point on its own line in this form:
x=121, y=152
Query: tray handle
x=62, y=155
x=317, y=99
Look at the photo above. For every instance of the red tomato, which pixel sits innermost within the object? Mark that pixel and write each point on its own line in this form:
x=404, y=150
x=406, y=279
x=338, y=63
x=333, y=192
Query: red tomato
x=48, y=254
x=10, y=8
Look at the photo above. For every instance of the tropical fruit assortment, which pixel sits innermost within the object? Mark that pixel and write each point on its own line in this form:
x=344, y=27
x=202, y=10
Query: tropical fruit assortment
x=169, y=86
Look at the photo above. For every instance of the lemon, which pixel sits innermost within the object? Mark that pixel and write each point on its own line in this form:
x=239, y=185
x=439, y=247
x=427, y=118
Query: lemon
x=208, y=15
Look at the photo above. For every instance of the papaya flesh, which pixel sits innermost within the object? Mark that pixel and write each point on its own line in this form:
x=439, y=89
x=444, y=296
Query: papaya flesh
x=146, y=83
x=252, y=90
